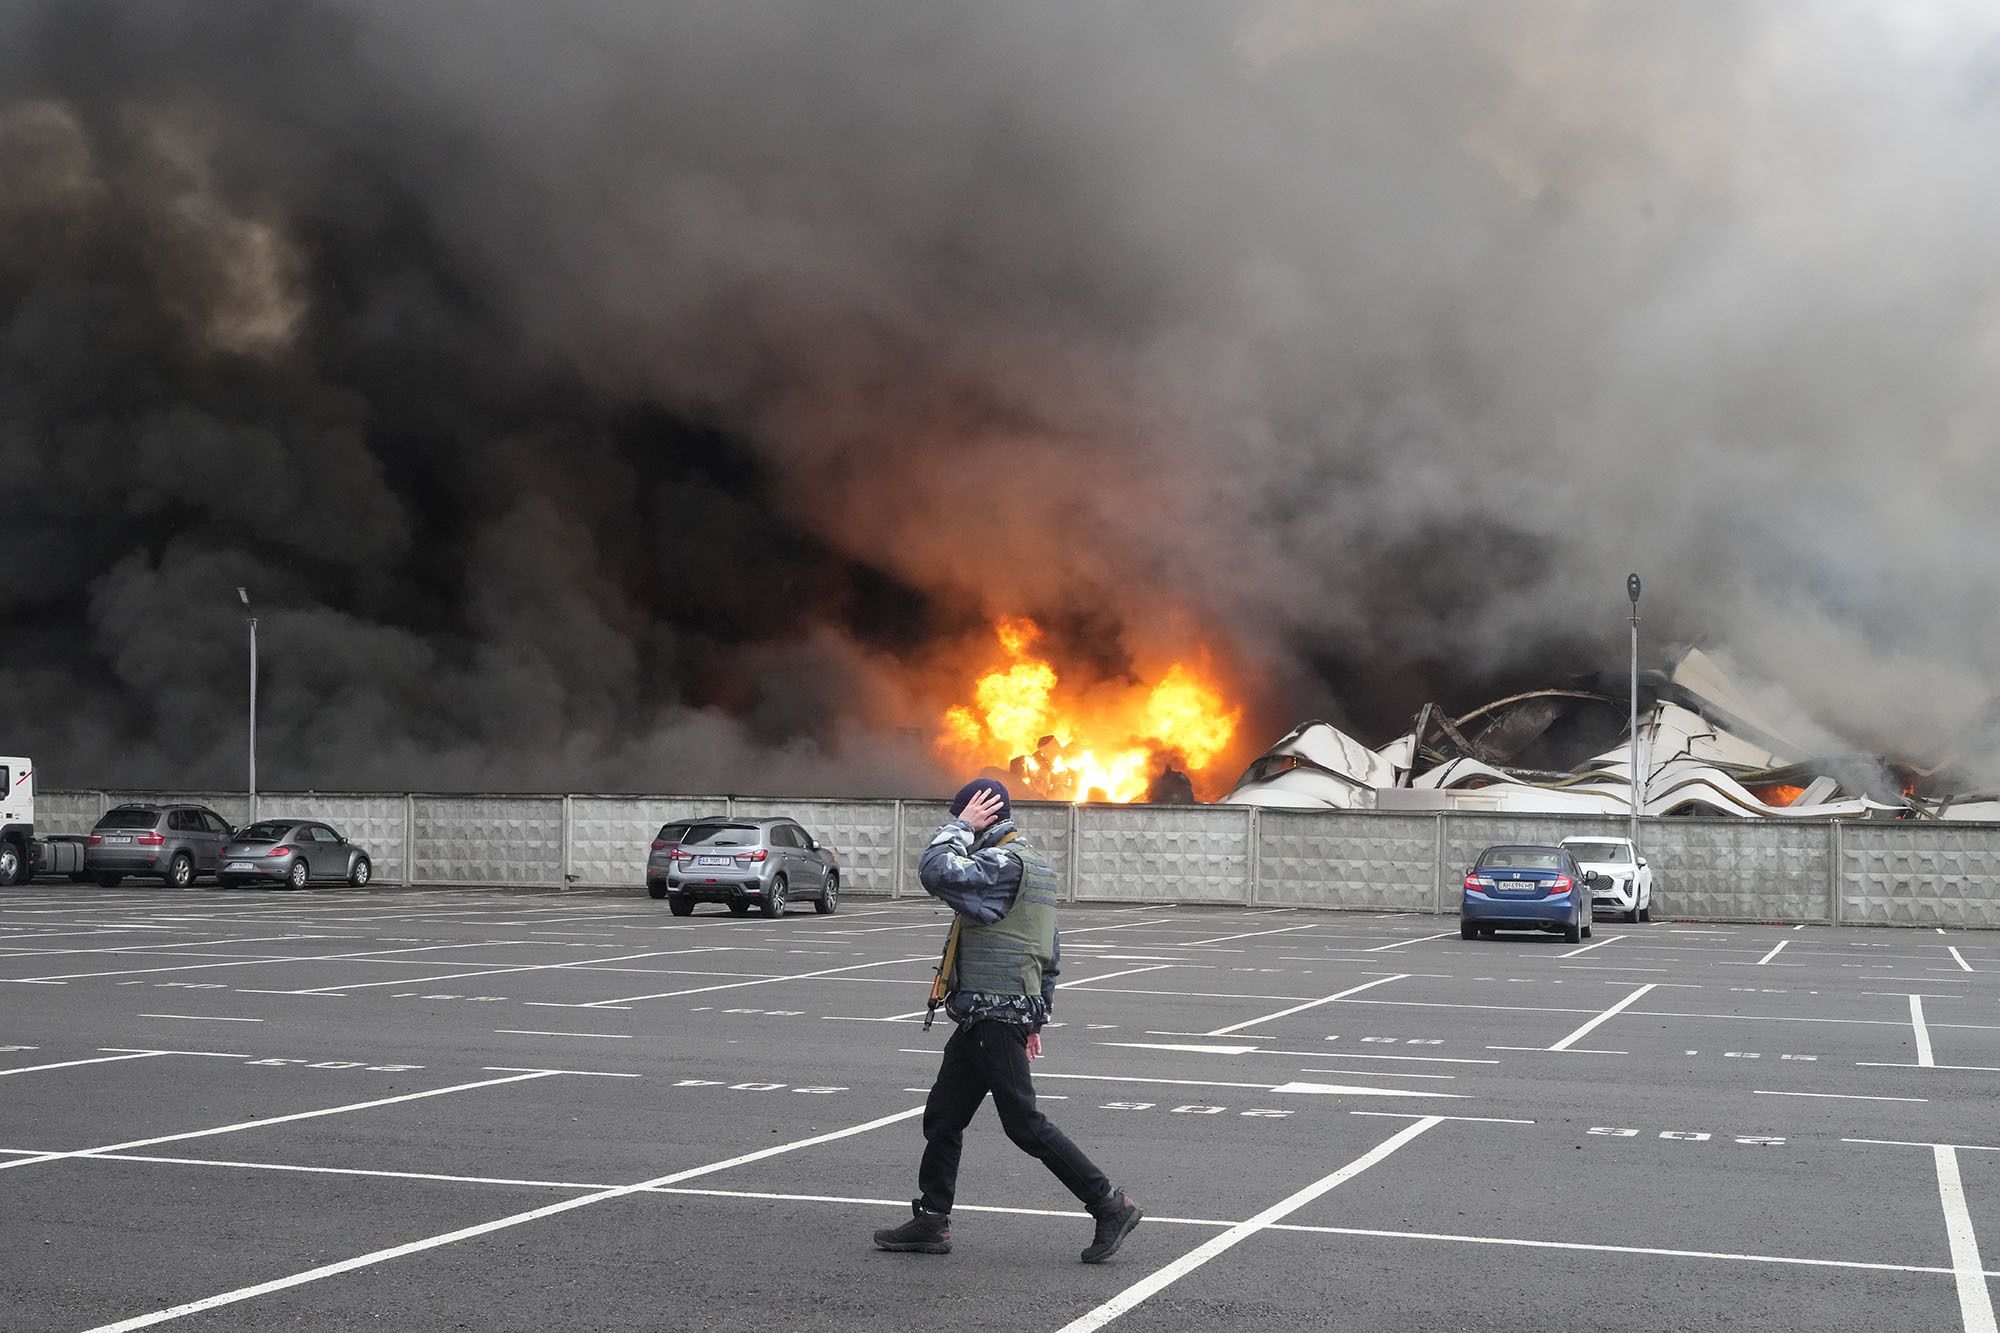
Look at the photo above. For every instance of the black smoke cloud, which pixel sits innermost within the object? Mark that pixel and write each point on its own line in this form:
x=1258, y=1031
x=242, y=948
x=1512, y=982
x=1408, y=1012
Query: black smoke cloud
x=653, y=395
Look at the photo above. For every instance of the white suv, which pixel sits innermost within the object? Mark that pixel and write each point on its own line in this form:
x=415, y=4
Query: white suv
x=1627, y=886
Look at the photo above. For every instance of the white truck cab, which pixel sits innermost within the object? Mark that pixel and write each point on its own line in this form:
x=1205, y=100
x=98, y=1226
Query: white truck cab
x=17, y=818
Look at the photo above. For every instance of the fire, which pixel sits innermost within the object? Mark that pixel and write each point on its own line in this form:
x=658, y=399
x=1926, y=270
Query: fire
x=1106, y=742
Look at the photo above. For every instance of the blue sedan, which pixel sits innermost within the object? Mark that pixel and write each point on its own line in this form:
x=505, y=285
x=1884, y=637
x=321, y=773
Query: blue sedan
x=1525, y=887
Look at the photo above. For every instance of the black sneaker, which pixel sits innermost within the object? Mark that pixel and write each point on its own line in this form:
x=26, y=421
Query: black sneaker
x=925, y=1233
x=1116, y=1216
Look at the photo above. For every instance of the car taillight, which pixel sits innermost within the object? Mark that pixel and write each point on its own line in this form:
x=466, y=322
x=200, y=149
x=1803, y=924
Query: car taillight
x=151, y=840
x=660, y=846
x=759, y=855
x=1477, y=882
x=682, y=854
x=95, y=839
x=1559, y=886
x=279, y=851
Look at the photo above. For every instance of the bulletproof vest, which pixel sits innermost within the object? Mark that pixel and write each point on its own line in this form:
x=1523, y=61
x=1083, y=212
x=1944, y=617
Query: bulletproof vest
x=1005, y=957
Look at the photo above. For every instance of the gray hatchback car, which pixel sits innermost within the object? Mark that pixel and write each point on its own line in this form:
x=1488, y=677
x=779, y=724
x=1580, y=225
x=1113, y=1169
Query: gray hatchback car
x=745, y=862
x=294, y=852
x=175, y=842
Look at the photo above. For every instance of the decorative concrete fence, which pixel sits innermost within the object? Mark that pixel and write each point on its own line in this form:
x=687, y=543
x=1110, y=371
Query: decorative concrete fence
x=1908, y=874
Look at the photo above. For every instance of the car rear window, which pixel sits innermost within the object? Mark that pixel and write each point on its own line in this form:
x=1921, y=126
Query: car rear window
x=268, y=831
x=1522, y=858
x=722, y=835
x=129, y=819
x=671, y=832
x=1615, y=852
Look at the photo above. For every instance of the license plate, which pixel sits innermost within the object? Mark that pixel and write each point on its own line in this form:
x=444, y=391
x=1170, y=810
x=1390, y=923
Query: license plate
x=240, y=865
x=1517, y=885
x=712, y=860
x=116, y=839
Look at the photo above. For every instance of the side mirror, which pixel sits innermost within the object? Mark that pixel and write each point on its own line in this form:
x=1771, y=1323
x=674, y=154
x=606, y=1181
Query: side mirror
x=812, y=844
x=1593, y=880
x=1642, y=863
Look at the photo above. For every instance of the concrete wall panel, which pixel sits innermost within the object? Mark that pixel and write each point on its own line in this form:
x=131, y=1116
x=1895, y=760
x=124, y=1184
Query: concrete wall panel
x=1163, y=853
x=610, y=836
x=1310, y=858
x=68, y=812
x=488, y=840
x=1931, y=874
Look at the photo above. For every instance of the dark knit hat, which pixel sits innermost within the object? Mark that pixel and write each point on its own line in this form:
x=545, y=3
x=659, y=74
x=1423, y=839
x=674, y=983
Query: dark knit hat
x=978, y=785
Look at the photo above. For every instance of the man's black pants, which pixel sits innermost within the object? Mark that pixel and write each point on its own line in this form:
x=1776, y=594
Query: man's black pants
x=982, y=1057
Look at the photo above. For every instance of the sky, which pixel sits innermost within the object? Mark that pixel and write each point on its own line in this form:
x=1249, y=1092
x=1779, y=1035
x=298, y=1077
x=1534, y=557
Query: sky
x=669, y=397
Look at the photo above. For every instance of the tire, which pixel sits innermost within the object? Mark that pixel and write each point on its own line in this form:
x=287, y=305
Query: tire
x=774, y=897
x=655, y=890
x=105, y=881
x=12, y=865
x=739, y=908
x=681, y=906
x=180, y=871
x=1633, y=916
x=1646, y=913
x=1573, y=933
x=829, y=898
x=1467, y=931
x=363, y=872
x=300, y=873
x=1589, y=928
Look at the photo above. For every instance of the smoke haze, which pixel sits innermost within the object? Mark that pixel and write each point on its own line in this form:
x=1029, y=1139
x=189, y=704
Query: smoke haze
x=658, y=396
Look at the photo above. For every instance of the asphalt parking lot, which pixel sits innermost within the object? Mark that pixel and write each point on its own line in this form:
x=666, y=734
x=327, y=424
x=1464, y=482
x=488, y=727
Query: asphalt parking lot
x=411, y=1109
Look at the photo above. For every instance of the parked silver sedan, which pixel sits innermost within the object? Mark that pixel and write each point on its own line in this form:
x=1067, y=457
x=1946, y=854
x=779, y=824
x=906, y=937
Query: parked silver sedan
x=294, y=852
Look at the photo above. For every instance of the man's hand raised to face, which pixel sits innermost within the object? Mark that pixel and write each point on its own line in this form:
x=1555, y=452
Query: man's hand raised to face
x=983, y=811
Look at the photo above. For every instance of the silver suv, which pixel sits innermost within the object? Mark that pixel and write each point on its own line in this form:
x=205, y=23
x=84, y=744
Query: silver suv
x=767, y=862
x=175, y=842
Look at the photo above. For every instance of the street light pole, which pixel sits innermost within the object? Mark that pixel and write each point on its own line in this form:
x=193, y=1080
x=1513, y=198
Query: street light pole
x=243, y=595
x=1632, y=716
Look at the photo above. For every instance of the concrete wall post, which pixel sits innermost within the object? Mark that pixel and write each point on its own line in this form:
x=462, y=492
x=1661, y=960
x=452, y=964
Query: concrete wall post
x=409, y=839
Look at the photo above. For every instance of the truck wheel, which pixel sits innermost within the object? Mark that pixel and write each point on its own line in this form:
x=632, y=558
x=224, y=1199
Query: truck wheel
x=10, y=863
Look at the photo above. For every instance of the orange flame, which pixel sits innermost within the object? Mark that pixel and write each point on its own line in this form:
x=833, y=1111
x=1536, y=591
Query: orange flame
x=1103, y=743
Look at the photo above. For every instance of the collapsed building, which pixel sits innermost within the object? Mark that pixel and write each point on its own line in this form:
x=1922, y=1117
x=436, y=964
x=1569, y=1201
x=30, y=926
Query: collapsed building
x=1703, y=749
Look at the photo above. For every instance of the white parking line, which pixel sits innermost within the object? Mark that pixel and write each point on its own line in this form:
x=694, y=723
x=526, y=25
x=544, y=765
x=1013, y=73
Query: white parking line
x=203, y=1018
x=733, y=985
x=1837, y=1096
x=1773, y=954
x=1953, y=951
x=1215, y=1245
x=1248, y=935
x=1384, y=948
x=71, y=1064
x=1612, y=1012
x=538, y=1032
x=1612, y=939
x=272, y=1120
x=1975, y=1301
x=498, y=1224
x=1924, y=1057
x=501, y=971
x=1300, y=1008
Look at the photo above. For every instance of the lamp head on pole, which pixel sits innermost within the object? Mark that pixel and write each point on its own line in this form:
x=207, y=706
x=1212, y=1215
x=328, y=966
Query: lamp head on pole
x=1631, y=588
x=243, y=595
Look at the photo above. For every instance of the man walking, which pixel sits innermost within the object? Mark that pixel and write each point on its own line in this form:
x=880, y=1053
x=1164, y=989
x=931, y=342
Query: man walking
x=1002, y=987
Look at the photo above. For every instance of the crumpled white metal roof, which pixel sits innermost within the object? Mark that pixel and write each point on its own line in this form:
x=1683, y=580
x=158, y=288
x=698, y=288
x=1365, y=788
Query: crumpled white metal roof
x=1692, y=761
